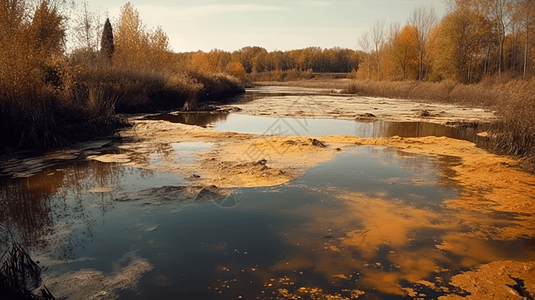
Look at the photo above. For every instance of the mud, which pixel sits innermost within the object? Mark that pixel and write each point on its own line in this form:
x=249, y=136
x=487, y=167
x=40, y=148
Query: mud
x=161, y=195
x=362, y=108
x=497, y=280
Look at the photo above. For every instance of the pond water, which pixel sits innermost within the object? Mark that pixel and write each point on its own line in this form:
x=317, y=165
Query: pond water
x=319, y=127
x=368, y=221
x=285, y=237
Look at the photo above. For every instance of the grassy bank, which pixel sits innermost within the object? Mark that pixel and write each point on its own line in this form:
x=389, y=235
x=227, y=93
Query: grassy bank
x=87, y=104
x=512, y=99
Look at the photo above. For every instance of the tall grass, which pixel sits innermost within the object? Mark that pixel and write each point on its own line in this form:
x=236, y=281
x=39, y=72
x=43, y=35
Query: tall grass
x=512, y=99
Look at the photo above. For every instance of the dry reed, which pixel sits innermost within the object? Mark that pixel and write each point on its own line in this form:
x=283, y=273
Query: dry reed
x=512, y=99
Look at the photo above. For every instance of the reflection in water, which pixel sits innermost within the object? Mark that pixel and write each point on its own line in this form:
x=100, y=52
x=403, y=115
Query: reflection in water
x=419, y=129
x=39, y=212
x=55, y=211
x=372, y=221
x=389, y=242
x=320, y=127
x=196, y=118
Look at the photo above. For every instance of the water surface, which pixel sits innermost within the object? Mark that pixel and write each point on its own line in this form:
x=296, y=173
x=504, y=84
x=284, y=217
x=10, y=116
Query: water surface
x=371, y=220
x=319, y=127
x=296, y=235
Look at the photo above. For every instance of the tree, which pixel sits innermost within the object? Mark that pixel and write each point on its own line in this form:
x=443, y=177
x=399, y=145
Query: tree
x=235, y=69
x=405, y=52
x=87, y=29
x=106, y=43
x=377, y=38
x=458, y=46
x=501, y=16
x=526, y=14
x=365, y=46
x=131, y=41
x=246, y=56
x=423, y=19
x=47, y=30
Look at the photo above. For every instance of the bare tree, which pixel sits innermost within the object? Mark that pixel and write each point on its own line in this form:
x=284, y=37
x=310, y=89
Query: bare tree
x=377, y=38
x=423, y=18
x=525, y=10
x=87, y=28
x=365, y=46
x=500, y=12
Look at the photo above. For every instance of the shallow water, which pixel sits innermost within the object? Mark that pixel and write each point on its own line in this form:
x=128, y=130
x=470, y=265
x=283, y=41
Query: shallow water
x=318, y=127
x=372, y=219
x=286, y=237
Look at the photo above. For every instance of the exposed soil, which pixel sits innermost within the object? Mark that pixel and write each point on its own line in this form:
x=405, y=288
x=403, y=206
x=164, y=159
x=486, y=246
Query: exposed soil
x=350, y=107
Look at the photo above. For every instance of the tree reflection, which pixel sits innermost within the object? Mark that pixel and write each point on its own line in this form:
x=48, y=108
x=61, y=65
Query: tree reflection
x=197, y=118
x=49, y=211
x=380, y=129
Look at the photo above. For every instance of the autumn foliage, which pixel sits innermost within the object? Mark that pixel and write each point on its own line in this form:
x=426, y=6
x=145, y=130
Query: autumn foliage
x=258, y=60
x=51, y=96
x=474, y=40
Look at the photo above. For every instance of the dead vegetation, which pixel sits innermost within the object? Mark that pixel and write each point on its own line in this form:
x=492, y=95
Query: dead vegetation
x=19, y=275
x=512, y=99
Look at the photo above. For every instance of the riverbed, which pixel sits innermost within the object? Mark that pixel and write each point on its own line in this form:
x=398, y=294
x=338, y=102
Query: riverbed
x=283, y=194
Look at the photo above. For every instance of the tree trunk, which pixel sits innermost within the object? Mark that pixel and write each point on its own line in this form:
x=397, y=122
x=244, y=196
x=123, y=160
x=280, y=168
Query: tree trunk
x=526, y=54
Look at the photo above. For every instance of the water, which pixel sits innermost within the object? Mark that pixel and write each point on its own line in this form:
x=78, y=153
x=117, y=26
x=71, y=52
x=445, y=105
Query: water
x=299, y=234
x=371, y=220
x=318, y=127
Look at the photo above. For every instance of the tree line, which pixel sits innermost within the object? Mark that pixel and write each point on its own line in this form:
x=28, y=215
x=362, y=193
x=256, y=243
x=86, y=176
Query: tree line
x=257, y=59
x=475, y=39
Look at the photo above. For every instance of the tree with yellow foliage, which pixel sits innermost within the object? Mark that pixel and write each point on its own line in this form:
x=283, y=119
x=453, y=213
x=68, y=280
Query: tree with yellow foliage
x=405, y=53
x=235, y=69
x=207, y=62
x=137, y=47
x=457, y=47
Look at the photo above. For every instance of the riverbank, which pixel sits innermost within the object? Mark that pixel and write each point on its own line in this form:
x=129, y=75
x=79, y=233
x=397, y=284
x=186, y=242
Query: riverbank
x=90, y=107
x=512, y=99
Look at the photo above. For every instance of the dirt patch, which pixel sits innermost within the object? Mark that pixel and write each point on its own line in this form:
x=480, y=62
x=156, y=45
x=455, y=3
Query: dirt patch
x=233, y=160
x=350, y=107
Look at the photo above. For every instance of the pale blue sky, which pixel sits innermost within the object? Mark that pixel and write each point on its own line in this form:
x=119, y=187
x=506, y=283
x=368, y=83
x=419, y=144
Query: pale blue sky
x=275, y=25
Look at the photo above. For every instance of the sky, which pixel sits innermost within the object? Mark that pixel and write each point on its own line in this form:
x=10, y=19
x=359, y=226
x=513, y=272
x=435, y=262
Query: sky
x=275, y=25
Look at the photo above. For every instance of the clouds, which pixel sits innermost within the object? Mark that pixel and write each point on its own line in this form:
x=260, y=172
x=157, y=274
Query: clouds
x=315, y=3
x=194, y=12
x=275, y=24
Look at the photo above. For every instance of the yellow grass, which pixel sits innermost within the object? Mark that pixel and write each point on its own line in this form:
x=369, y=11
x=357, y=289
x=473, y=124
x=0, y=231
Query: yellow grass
x=513, y=99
